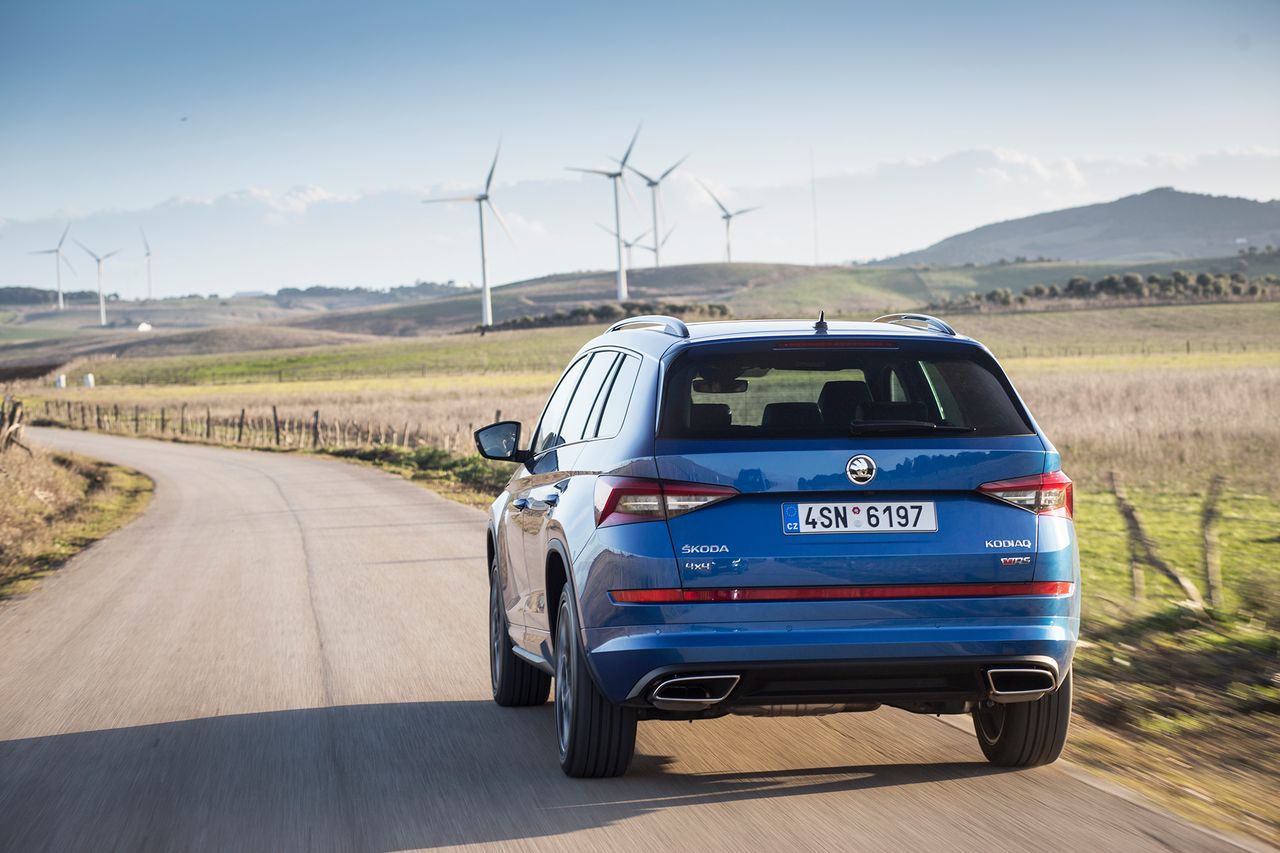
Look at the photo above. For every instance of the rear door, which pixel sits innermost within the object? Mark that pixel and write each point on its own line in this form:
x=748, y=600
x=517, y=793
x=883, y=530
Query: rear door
x=857, y=462
x=524, y=512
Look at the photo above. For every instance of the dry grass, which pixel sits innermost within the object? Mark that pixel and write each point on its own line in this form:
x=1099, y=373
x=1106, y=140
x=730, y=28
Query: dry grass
x=1157, y=419
x=1163, y=426
x=53, y=506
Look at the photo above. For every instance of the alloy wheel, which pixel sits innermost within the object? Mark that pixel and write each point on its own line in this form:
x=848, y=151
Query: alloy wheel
x=564, y=684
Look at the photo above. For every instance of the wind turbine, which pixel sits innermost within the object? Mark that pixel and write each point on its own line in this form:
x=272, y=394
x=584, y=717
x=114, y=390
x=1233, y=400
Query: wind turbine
x=102, y=300
x=627, y=244
x=481, y=199
x=617, y=177
x=658, y=244
x=728, y=220
x=148, y=257
x=654, y=184
x=58, y=261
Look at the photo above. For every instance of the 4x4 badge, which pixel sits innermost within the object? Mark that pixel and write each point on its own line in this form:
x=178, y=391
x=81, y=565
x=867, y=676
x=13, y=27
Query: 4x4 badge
x=860, y=469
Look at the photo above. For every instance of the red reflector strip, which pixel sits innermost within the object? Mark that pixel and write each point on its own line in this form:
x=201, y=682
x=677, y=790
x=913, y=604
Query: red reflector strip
x=839, y=593
x=647, y=596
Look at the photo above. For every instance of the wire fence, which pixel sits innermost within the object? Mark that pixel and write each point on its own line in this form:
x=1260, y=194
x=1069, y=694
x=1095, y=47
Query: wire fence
x=248, y=428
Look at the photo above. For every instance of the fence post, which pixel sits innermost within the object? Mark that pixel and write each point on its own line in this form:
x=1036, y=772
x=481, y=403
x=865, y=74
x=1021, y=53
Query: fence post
x=208, y=423
x=1146, y=547
x=163, y=425
x=315, y=428
x=137, y=419
x=1208, y=522
x=183, y=420
x=97, y=417
x=275, y=418
x=240, y=429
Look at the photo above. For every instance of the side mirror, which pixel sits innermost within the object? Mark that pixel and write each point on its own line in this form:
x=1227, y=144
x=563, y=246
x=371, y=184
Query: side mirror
x=501, y=441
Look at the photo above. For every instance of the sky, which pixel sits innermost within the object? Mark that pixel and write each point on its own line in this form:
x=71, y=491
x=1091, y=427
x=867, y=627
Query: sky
x=265, y=145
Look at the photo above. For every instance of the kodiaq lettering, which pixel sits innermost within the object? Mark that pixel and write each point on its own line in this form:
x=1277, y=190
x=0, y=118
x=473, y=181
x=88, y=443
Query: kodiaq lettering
x=1008, y=543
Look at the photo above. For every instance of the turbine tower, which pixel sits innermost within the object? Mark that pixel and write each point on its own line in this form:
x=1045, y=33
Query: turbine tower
x=627, y=244
x=102, y=300
x=728, y=220
x=147, y=246
x=656, y=201
x=58, y=261
x=481, y=199
x=617, y=177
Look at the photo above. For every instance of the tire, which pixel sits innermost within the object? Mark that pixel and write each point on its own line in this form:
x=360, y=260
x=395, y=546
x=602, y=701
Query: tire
x=596, y=738
x=1025, y=734
x=516, y=682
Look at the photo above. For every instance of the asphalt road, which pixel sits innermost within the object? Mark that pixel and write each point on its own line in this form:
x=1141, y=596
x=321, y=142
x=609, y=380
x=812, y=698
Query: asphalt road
x=289, y=653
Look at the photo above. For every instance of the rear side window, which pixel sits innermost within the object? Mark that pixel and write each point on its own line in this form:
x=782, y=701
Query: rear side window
x=590, y=388
x=615, y=408
x=553, y=416
x=768, y=390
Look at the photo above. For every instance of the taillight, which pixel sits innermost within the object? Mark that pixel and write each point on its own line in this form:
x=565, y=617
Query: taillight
x=1043, y=494
x=624, y=500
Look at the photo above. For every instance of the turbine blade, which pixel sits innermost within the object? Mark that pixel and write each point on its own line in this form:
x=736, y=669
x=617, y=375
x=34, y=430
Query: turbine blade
x=590, y=171
x=144, y=241
x=636, y=239
x=663, y=176
x=668, y=237
x=44, y=252
x=634, y=137
x=723, y=209
x=622, y=179
x=745, y=210
x=62, y=239
x=642, y=175
x=497, y=214
x=606, y=230
x=109, y=254
x=68, y=263
x=451, y=198
x=489, y=180
x=86, y=248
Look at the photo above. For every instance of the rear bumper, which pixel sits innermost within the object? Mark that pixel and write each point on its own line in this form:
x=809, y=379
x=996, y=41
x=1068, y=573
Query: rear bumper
x=821, y=662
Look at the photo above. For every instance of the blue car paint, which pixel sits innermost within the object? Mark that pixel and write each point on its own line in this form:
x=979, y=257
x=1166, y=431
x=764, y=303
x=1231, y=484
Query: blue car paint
x=625, y=643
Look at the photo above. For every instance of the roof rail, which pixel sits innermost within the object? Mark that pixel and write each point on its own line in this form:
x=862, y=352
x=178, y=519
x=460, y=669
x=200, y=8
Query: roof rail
x=670, y=325
x=918, y=321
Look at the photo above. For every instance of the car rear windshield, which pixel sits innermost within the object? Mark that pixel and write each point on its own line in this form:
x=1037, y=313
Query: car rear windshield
x=794, y=389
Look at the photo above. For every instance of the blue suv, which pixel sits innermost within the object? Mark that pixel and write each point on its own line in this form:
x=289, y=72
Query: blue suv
x=783, y=517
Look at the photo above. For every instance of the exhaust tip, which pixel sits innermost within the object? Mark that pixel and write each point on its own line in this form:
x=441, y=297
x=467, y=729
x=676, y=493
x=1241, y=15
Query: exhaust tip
x=692, y=692
x=1019, y=685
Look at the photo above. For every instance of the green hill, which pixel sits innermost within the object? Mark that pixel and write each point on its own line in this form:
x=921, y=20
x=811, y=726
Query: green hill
x=748, y=289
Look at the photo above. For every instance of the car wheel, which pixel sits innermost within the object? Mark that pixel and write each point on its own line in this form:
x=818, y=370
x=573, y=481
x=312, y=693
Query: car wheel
x=1025, y=734
x=516, y=682
x=596, y=737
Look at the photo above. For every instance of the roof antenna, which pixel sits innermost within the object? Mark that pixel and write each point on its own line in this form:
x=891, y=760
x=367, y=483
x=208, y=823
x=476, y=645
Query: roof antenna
x=821, y=325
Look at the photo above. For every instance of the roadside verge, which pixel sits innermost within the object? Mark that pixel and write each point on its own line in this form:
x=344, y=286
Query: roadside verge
x=55, y=505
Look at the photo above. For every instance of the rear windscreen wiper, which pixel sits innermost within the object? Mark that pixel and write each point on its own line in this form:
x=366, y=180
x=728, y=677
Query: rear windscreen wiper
x=863, y=427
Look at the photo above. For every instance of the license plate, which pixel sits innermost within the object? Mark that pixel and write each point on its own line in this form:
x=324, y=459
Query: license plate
x=861, y=517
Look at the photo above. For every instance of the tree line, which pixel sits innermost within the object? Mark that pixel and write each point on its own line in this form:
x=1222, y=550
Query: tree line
x=1177, y=286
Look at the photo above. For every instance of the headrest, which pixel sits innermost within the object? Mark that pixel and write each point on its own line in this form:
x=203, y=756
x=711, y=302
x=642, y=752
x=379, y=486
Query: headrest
x=710, y=415
x=791, y=416
x=840, y=398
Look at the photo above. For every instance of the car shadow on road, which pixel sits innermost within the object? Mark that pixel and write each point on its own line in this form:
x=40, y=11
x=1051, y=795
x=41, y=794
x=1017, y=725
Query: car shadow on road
x=370, y=777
